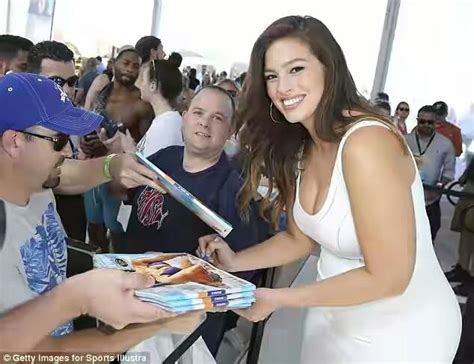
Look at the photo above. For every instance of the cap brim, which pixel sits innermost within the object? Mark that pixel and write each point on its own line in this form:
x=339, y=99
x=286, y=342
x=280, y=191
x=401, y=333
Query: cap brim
x=74, y=121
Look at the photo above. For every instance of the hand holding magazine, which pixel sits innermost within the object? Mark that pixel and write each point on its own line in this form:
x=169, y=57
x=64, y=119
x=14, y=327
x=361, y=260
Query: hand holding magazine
x=220, y=225
x=183, y=282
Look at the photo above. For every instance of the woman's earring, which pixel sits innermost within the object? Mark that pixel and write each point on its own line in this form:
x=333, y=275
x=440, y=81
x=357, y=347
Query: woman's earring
x=271, y=114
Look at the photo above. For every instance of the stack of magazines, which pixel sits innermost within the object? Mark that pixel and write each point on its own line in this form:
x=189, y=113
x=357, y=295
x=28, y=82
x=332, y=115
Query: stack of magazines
x=183, y=282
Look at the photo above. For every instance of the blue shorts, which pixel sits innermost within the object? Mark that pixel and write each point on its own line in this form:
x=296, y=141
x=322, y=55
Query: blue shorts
x=102, y=207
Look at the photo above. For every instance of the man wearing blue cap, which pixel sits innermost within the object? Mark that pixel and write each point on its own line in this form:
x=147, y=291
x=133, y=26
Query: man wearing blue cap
x=34, y=109
x=36, y=119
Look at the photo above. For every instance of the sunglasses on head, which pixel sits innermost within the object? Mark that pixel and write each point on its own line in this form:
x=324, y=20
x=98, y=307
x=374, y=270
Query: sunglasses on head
x=71, y=81
x=59, y=141
x=153, y=69
x=425, y=121
x=403, y=109
x=232, y=93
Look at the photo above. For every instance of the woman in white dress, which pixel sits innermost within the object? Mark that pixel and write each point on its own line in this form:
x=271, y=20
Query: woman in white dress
x=348, y=182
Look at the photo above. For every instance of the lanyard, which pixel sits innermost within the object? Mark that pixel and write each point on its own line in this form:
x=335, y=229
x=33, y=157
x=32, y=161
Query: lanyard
x=427, y=145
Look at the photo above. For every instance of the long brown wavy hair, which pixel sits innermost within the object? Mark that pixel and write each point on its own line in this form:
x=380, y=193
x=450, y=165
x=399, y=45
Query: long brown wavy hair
x=275, y=149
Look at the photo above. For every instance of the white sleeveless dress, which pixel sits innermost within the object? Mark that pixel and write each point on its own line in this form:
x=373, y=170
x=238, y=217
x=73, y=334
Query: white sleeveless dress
x=423, y=325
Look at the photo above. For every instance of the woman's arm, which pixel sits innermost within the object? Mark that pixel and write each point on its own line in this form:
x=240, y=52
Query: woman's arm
x=378, y=176
x=283, y=248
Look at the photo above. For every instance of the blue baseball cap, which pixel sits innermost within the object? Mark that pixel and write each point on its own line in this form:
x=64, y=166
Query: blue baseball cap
x=28, y=100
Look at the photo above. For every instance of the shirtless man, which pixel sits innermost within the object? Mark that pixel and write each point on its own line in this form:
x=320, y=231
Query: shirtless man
x=120, y=101
x=147, y=47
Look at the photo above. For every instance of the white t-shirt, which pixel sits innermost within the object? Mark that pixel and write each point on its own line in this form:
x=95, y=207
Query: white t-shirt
x=34, y=256
x=165, y=130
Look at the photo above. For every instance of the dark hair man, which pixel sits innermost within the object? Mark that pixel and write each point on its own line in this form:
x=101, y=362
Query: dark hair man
x=13, y=53
x=120, y=101
x=55, y=61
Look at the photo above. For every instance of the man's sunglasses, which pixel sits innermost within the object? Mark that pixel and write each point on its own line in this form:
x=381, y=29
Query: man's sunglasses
x=404, y=109
x=71, y=81
x=59, y=141
x=425, y=121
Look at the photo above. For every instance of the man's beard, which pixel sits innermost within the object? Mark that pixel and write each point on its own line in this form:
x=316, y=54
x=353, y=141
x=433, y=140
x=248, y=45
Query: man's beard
x=53, y=181
x=128, y=81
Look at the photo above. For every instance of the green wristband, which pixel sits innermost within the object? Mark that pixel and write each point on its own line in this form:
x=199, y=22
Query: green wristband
x=106, y=165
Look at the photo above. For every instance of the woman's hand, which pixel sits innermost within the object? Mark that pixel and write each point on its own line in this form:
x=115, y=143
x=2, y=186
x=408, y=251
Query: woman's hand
x=217, y=251
x=265, y=304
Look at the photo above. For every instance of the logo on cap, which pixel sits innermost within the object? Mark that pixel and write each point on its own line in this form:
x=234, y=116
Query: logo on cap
x=61, y=91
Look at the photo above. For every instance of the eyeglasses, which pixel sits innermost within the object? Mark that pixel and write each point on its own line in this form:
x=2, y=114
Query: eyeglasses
x=404, y=109
x=425, y=121
x=59, y=141
x=71, y=81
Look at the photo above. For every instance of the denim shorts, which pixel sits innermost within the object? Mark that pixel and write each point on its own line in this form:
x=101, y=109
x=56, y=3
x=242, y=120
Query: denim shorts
x=102, y=207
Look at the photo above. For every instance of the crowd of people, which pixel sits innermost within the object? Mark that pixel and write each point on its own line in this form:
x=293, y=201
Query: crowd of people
x=295, y=123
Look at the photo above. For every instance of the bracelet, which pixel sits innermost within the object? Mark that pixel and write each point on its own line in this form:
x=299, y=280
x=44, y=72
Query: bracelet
x=106, y=165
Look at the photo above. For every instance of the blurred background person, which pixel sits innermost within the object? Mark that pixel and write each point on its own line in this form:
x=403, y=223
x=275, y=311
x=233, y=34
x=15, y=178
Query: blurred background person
x=160, y=84
x=150, y=48
x=444, y=127
x=401, y=114
x=85, y=82
x=14, y=53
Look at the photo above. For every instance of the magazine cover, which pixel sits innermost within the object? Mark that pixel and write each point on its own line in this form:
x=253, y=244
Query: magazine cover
x=183, y=281
x=220, y=225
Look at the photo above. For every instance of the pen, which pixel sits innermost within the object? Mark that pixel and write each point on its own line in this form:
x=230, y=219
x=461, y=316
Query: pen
x=205, y=257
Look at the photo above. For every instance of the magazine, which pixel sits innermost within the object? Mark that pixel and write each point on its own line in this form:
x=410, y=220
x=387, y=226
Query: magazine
x=210, y=301
x=231, y=305
x=183, y=281
x=220, y=225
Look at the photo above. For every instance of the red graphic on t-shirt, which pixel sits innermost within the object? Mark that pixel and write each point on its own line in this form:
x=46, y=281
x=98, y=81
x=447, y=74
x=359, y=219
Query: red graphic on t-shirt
x=150, y=208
